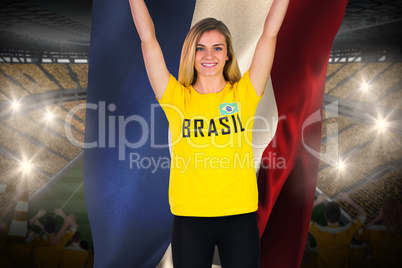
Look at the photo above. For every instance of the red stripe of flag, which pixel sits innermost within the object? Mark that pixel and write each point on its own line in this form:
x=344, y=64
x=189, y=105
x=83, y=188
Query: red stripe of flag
x=298, y=76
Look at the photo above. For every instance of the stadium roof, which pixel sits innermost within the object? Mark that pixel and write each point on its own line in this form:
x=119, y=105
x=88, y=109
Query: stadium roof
x=371, y=25
x=27, y=26
x=37, y=26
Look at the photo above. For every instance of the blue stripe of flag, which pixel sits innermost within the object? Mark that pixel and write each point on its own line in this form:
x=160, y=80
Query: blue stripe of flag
x=128, y=206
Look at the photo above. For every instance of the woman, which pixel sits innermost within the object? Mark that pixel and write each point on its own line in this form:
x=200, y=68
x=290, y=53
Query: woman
x=213, y=190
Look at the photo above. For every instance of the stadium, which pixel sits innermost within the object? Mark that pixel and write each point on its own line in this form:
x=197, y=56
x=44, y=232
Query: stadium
x=43, y=87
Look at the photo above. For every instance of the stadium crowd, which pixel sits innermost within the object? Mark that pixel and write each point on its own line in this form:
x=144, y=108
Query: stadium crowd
x=23, y=79
x=361, y=243
x=45, y=244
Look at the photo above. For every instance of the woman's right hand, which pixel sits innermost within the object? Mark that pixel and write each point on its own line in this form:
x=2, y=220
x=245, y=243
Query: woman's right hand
x=155, y=65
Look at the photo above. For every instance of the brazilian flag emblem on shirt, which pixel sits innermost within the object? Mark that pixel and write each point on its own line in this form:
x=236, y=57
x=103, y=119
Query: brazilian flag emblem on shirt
x=228, y=108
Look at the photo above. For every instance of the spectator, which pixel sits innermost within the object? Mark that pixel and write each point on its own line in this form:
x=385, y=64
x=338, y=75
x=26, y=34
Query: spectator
x=49, y=247
x=75, y=255
x=50, y=238
x=333, y=241
x=20, y=254
x=309, y=259
x=84, y=245
x=76, y=242
x=384, y=234
x=3, y=230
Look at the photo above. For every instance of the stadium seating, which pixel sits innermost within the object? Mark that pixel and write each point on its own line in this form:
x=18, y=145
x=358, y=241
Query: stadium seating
x=11, y=91
x=352, y=86
x=43, y=137
x=58, y=126
x=81, y=71
x=341, y=121
x=362, y=148
x=22, y=79
x=345, y=71
x=332, y=68
x=372, y=195
x=380, y=86
x=81, y=113
x=30, y=77
x=61, y=72
x=31, y=136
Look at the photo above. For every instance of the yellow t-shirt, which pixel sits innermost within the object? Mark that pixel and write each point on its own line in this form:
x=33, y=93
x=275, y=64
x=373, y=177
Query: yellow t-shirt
x=75, y=257
x=212, y=171
x=333, y=244
x=387, y=247
x=45, y=240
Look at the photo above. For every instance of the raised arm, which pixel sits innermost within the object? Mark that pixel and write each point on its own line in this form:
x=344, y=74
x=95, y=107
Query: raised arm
x=377, y=219
x=155, y=65
x=320, y=199
x=60, y=212
x=264, y=53
x=359, y=210
x=35, y=219
x=69, y=221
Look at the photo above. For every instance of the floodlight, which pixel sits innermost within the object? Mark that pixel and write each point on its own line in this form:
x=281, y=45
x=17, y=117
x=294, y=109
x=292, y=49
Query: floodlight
x=381, y=124
x=15, y=104
x=49, y=116
x=364, y=87
x=26, y=166
x=341, y=165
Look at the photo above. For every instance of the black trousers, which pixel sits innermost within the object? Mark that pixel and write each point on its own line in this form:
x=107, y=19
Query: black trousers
x=237, y=238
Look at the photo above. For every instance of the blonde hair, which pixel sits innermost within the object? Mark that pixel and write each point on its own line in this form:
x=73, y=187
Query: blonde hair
x=187, y=71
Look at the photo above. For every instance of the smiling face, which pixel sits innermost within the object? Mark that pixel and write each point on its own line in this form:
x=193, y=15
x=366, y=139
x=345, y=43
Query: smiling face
x=202, y=35
x=211, y=54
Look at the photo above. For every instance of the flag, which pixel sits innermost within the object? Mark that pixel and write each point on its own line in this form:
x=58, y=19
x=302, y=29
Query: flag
x=286, y=195
x=126, y=160
x=126, y=197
